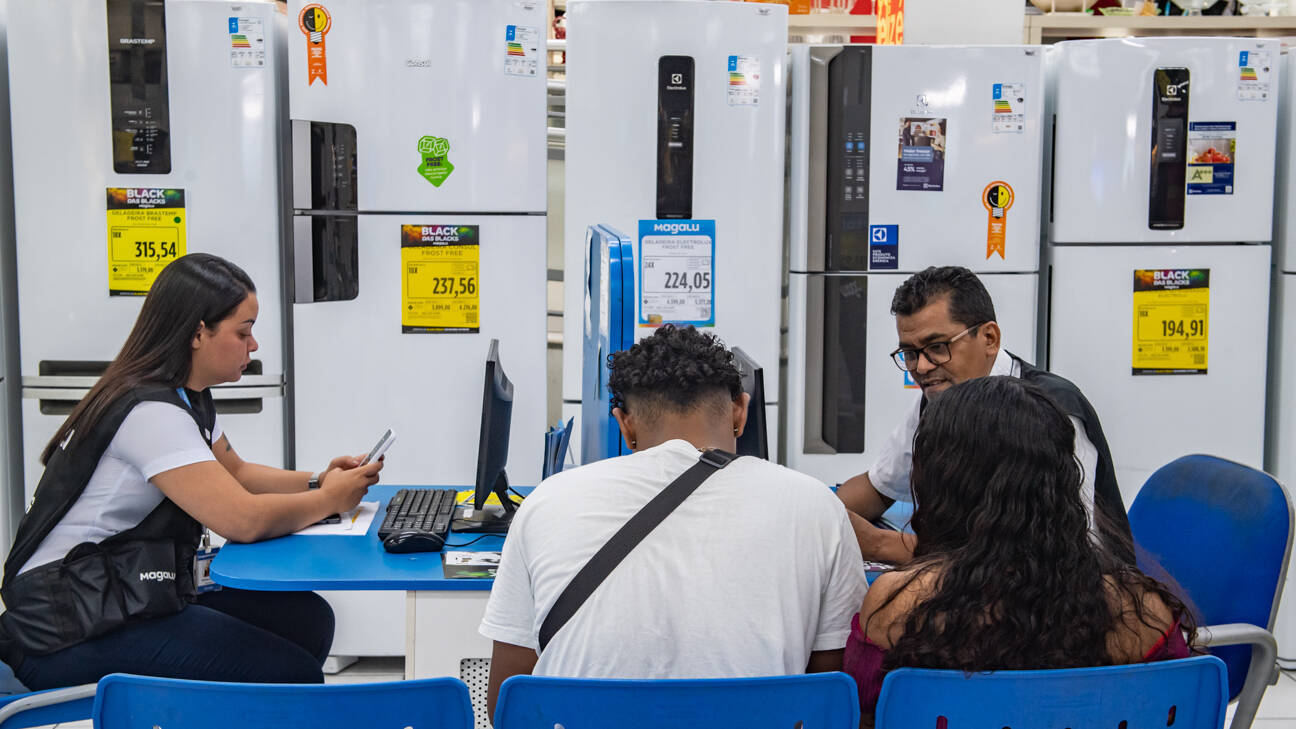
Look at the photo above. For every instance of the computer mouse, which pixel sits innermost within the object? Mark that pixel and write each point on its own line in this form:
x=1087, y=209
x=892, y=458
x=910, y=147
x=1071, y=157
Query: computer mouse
x=413, y=541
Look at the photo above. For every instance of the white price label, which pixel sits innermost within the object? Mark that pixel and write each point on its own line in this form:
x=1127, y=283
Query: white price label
x=677, y=274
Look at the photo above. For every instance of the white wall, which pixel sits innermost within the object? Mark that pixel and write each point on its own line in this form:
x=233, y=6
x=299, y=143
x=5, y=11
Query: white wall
x=963, y=22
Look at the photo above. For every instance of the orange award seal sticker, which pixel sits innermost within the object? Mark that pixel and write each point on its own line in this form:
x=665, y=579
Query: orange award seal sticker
x=997, y=197
x=315, y=22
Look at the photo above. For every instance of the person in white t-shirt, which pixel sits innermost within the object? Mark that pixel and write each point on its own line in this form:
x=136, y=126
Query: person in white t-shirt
x=756, y=573
x=166, y=470
x=945, y=321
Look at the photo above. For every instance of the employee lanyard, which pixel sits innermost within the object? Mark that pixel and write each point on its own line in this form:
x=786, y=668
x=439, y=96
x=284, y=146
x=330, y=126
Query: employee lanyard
x=184, y=396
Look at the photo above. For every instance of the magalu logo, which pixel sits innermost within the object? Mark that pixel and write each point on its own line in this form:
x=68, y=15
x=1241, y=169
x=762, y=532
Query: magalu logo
x=435, y=164
x=157, y=576
x=676, y=228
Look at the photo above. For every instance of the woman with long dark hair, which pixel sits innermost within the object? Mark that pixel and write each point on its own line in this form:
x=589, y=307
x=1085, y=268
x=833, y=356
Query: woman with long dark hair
x=101, y=577
x=1006, y=573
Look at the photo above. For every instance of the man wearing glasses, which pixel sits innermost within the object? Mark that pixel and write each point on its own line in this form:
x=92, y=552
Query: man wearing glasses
x=948, y=334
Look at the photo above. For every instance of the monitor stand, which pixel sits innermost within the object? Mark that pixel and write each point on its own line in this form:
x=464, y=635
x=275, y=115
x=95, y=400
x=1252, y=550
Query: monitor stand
x=490, y=519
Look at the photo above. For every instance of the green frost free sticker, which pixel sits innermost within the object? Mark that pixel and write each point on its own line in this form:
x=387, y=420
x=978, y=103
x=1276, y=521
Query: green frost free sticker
x=435, y=166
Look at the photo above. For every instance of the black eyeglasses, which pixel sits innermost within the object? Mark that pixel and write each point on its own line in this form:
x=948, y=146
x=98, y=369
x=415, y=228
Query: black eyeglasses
x=938, y=353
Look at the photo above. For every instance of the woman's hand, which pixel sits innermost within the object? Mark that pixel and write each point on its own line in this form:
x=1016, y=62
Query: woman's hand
x=344, y=486
x=343, y=462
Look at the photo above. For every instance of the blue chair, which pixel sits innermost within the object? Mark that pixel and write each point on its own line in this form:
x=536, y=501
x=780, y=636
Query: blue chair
x=819, y=700
x=1183, y=694
x=1223, y=532
x=140, y=701
x=43, y=708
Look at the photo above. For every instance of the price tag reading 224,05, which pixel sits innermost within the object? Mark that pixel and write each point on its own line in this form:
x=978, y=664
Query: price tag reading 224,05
x=146, y=231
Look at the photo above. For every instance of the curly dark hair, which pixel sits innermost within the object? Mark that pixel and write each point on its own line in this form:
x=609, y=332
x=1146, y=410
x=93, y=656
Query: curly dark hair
x=1020, y=582
x=969, y=302
x=677, y=369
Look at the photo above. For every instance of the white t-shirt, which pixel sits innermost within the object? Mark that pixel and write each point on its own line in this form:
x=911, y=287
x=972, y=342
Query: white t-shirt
x=756, y=569
x=154, y=437
x=890, y=472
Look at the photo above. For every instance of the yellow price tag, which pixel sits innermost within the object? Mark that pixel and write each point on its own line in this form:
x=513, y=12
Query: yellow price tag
x=1171, y=321
x=146, y=231
x=440, y=290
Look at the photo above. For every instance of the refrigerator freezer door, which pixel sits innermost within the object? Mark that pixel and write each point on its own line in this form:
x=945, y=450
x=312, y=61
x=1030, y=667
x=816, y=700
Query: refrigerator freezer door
x=815, y=352
x=1285, y=193
x=969, y=120
x=979, y=111
x=1150, y=419
x=250, y=417
x=1106, y=139
x=447, y=99
x=739, y=105
x=1280, y=446
x=358, y=374
x=225, y=155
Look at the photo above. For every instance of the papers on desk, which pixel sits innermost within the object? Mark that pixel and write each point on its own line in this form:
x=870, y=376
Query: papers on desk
x=556, y=440
x=354, y=523
x=469, y=565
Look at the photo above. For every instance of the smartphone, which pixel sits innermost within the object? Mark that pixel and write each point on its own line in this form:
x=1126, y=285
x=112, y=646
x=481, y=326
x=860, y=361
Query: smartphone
x=380, y=447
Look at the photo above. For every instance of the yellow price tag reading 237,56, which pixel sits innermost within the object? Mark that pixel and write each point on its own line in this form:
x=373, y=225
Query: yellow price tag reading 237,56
x=146, y=231
x=1171, y=321
x=439, y=279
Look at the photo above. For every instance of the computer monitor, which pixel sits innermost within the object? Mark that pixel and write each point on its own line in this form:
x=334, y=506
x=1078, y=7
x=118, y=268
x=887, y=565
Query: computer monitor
x=753, y=441
x=492, y=453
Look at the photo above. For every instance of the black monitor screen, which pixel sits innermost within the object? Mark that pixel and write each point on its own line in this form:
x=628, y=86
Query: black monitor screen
x=753, y=441
x=492, y=452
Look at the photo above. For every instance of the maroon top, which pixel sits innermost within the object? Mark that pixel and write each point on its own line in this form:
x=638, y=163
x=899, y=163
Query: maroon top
x=863, y=659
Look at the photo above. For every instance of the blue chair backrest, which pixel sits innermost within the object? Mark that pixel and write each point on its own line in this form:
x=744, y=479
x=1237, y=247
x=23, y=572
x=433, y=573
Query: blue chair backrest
x=167, y=703
x=608, y=328
x=40, y=713
x=1182, y=694
x=820, y=700
x=1222, y=531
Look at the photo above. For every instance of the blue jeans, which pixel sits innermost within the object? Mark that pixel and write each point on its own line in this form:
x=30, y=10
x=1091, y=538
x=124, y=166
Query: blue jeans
x=229, y=635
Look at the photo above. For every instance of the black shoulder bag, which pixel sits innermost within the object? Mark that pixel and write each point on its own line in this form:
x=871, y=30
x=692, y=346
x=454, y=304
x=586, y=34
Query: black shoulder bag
x=626, y=539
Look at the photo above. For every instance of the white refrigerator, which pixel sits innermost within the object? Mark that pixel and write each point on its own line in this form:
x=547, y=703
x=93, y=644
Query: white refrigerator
x=892, y=172
x=1162, y=200
x=1280, y=430
x=11, y=489
x=675, y=136
x=159, y=135
x=419, y=197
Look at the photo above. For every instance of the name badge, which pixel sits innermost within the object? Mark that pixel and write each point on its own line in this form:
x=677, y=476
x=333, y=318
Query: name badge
x=202, y=569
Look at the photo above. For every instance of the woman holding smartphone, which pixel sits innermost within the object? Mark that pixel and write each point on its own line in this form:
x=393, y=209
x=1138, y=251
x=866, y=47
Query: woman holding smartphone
x=101, y=575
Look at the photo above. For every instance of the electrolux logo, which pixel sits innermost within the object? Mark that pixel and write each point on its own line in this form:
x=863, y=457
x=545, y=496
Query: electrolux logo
x=157, y=576
x=676, y=228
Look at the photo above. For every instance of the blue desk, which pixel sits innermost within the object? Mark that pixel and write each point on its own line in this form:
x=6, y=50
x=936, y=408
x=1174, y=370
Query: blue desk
x=441, y=615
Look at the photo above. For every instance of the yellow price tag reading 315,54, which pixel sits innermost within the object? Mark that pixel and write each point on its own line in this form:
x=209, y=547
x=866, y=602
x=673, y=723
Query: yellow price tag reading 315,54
x=1171, y=321
x=439, y=279
x=146, y=231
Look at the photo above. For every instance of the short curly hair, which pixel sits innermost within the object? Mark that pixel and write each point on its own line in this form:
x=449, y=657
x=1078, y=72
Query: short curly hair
x=676, y=370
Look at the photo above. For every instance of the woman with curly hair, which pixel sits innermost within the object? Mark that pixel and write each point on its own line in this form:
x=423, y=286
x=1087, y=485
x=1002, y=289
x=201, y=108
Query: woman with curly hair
x=1006, y=574
x=755, y=573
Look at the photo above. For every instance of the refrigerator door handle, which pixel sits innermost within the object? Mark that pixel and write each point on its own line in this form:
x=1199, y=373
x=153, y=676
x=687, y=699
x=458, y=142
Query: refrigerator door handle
x=303, y=260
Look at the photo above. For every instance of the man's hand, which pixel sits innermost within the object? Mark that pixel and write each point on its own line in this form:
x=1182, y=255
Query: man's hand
x=881, y=545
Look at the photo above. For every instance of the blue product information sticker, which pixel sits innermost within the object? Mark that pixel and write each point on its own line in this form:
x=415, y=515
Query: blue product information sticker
x=677, y=272
x=884, y=247
x=1212, y=153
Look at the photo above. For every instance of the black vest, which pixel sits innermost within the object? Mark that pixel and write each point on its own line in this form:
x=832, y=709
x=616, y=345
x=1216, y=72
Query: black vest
x=1107, y=495
x=143, y=572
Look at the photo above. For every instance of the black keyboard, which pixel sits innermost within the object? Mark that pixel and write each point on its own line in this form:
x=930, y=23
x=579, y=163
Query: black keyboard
x=419, y=510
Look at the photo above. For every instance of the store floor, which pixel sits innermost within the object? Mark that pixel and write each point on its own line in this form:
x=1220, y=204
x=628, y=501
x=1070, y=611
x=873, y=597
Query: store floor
x=1278, y=709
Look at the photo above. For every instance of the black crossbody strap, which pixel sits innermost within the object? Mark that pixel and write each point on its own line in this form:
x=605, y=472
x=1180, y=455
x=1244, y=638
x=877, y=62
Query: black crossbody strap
x=626, y=539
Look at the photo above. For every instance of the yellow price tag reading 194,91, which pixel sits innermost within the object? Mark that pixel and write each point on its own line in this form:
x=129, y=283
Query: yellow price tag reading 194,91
x=1171, y=321
x=146, y=231
x=440, y=265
